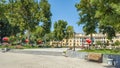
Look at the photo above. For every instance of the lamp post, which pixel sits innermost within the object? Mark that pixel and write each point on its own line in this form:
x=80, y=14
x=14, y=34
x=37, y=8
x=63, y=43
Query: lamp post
x=74, y=42
x=68, y=38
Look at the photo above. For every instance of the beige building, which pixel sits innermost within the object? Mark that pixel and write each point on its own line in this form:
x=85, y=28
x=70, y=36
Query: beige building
x=80, y=39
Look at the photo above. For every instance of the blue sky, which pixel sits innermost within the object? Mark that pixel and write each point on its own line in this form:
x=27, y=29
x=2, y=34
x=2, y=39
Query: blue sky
x=65, y=10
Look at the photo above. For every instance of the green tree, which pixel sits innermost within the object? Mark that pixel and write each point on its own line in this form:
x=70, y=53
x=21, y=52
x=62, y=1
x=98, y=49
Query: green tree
x=69, y=33
x=50, y=36
x=24, y=13
x=45, y=10
x=39, y=32
x=102, y=13
x=59, y=30
x=108, y=12
x=108, y=30
x=6, y=29
x=28, y=14
x=2, y=19
x=2, y=9
x=87, y=11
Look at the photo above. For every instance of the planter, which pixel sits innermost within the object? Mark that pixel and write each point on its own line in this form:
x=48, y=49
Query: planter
x=19, y=47
x=39, y=42
x=26, y=40
x=5, y=39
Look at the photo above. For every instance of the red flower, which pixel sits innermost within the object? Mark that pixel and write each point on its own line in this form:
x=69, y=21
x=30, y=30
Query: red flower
x=26, y=40
x=88, y=41
x=5, y=39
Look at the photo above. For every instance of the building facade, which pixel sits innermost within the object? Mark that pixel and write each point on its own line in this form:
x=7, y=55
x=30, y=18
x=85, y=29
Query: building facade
x=80, y=40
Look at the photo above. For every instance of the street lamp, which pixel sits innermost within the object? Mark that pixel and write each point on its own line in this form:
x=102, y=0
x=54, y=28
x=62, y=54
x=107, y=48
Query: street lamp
x=68, y=37
x=74, y=42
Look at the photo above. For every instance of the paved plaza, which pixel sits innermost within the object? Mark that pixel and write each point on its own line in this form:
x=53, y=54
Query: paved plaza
x=19, y=60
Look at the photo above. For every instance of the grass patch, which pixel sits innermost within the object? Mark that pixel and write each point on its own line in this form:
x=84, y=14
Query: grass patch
x=103, y=51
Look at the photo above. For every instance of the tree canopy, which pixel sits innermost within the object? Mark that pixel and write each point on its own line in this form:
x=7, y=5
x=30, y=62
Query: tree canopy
x=108, y=13
x=59, y=29
x=69, y=32
x=87, y=16
x=26, y=14
x=45, y=10
x=99, y=13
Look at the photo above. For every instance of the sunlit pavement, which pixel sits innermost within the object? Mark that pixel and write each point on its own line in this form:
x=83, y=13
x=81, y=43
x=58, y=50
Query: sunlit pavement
x=46, y=49
x=50, y=49
x=42, y=51
x=18, y=60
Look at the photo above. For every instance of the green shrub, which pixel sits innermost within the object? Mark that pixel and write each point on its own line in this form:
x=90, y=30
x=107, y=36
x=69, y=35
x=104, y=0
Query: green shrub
x=27, y=46
x=117, y=50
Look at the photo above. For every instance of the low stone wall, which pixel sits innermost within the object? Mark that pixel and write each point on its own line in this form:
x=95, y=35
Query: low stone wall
x=80, y=55
x=105, y=57
x=115, y=59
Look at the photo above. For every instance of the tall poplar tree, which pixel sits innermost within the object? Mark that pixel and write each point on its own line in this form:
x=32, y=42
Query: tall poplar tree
x=45, y=10
x=59, y=29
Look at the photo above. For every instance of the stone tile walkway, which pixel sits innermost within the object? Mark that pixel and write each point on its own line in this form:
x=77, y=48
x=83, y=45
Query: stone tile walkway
x=18, y=60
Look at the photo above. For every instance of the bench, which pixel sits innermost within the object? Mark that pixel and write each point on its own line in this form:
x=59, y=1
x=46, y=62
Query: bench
x=95, y=57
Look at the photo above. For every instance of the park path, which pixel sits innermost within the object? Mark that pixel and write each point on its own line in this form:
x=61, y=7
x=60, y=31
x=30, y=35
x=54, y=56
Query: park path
x=18, y=60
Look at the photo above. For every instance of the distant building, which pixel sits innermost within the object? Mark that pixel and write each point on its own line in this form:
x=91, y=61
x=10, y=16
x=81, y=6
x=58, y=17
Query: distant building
x=80, y=40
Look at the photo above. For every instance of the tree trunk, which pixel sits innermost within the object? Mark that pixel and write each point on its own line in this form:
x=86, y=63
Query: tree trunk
x=91, y=37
